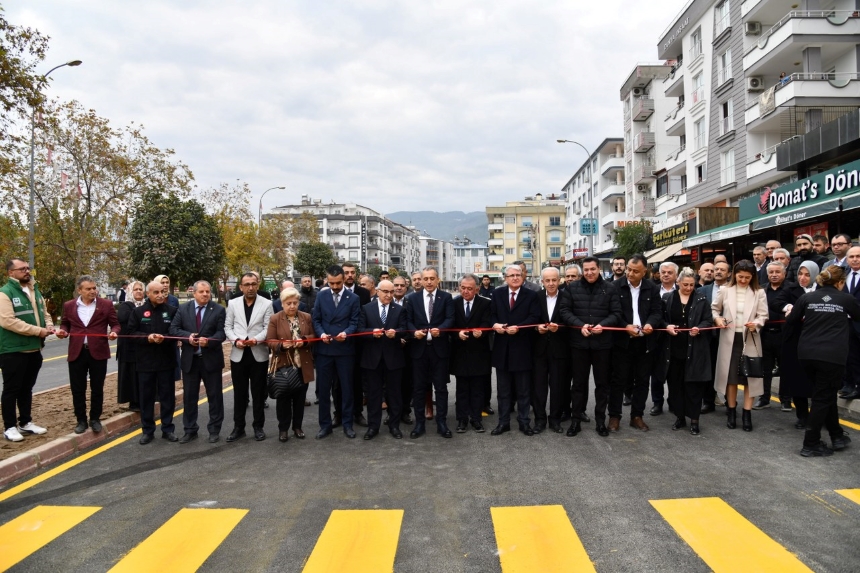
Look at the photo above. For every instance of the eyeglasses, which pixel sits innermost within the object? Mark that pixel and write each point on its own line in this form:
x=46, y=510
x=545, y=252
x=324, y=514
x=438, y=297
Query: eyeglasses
x=20, y=269
x=510, y=276
x=384, y=291
x=838, y=244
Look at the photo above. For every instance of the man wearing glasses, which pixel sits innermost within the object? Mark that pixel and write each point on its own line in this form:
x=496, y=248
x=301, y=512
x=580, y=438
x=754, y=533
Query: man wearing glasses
x=23, y=329
x=840, y=245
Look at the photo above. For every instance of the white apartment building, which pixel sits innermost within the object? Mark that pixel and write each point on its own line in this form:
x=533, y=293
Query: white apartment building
x=361, y=235
x=469, y=257
x=440, y=254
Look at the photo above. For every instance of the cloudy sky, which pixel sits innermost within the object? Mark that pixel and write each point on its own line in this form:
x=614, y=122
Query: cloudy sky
x=409, y=105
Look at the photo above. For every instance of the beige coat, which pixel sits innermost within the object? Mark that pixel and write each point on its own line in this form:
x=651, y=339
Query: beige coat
x=755, y=309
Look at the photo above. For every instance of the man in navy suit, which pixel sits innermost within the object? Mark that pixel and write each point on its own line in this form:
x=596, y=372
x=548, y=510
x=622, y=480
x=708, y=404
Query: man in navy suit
x=470, y=353
x=201, y=323
x=512, y=306
x=851, y=388
x=336, y=315
x=428, y=314
x=551, y=356
x=382, y=359
x=351, y=285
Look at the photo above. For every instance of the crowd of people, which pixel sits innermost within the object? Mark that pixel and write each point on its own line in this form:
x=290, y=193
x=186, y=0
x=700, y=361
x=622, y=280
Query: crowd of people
x=392, y=347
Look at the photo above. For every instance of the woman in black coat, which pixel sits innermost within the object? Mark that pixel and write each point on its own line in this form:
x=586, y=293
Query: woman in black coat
x=823, y=351
x=126, y=376
x=686, y=356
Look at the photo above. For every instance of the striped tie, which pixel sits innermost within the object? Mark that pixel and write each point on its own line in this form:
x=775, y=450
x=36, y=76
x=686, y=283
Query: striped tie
x=384, y=315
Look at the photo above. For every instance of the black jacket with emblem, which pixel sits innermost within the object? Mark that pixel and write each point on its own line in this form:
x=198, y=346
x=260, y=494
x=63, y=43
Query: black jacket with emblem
x=148, y=319
x=590, y=303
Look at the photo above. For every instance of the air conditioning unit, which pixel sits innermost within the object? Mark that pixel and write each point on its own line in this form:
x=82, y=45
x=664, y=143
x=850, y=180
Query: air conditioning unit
x=638, y=91
x=642, y=188
x=752, y=28
x=754, y=84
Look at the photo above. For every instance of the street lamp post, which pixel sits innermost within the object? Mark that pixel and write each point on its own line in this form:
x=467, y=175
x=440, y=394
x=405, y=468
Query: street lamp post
x=590, y=195
x=31, y=240
x=260, y=213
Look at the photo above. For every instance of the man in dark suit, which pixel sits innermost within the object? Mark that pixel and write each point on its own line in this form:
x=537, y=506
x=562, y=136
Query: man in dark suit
x=401, y=290
x=851, y=388
x=513, y=306
x=201, y=323
x=634, y=349
x=350, y=284
x=88, y=355
x=470, y=353
x=382, y=359
x=551, y=351
x=336, y=315
x=428, y=314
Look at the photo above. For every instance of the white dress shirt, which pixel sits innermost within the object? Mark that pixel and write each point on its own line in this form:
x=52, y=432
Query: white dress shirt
x=634, y=301
x=550, y=304
x=85, y=313
x=427, y=296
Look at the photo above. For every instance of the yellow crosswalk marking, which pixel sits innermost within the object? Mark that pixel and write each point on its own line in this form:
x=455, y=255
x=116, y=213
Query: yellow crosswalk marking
x=184, y=542
x=28, y=533
x=852, y=494
x=538, y=538
x=724, y=538
x=357, y=541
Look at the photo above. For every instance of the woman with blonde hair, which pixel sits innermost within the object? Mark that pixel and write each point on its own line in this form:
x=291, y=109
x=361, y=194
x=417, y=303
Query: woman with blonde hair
x=740, y=310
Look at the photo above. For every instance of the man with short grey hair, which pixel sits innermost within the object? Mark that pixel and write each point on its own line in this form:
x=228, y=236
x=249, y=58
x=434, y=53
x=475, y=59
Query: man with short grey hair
x=572, y=273
x=760, y=259
x=781, y=255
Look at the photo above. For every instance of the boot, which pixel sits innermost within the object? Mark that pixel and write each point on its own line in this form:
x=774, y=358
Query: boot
x=731, y=417
x=746, y=417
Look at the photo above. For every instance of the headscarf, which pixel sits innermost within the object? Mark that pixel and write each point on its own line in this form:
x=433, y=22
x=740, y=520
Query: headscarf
x=813, y=273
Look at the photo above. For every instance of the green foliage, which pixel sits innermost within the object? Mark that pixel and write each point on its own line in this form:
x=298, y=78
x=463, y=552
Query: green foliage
x=632, y=238
x=374, y=271
x=175, y=237
x=312, y=258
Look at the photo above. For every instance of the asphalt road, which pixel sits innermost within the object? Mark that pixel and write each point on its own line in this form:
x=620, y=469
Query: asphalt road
x=55, y=367
x=446, y=489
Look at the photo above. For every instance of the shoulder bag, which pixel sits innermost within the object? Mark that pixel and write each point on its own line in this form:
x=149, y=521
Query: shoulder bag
x=285, y=380
x=750, y=366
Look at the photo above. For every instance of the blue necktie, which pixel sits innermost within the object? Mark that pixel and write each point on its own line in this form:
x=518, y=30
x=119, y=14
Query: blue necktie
x=384, y=315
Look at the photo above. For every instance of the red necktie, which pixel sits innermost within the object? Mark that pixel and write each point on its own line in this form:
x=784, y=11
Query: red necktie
x=513, y=300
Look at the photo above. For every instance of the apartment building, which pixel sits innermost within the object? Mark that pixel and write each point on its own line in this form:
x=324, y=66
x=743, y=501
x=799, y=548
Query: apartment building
x=596, y=203
x=469, y=257
x=440, y=254
x=361, y=235
x=531, y=230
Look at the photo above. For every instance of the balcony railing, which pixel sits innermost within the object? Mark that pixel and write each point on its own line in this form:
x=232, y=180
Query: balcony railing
x=724, y=75
x=673, y=155
x=721, y=24
x=644, y=208
x=643, y=108
x=837, y=17
x=727, y=124
x=697, y=95
x=643, y=173
x=696, y=50
x=700, y=142
x=727, y=175
x=643, y=141
x=836, y=79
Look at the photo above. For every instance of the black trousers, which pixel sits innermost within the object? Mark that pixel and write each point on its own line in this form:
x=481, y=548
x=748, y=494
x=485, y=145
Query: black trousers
x=378, y=381
x=191, y=395
x=427, y=371
x=20, y=370
x=291, y=409
x=331, y=368
x=249, y=381
x=470, y=400
x=550, y=375
x=826, y=379
x=585, y=360
x=631, y=369
x=158, y=384
x=686, y=395
x=405, y=388
x=79, y=368
x=771, y=347
x=506, y=384
x=709, y=394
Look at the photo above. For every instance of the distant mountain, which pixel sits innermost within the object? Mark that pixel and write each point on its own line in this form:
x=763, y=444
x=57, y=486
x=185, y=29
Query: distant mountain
x=446, y=225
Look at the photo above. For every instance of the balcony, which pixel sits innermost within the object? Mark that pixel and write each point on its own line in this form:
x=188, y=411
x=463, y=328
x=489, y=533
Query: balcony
x=374, y=233
x=643, y=107
x=495, y=258
x=495, y=243
x=697, y=95
x=764, y=162
x=786, y=39
x=643, y=141
x=496, y=227
x=676, y=157
x=644, y=208
x=643, y=173
x=611, y=193
x=674, y=121
x=820, y=89
x=675, y=81
x=339, y=245
x=611, y=220
x=612, y=163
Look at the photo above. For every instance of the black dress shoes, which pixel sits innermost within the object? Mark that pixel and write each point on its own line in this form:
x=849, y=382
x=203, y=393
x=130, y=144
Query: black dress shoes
x=556, y=428
x=602, y=430
x=349, y=432
x=679, y=423
x=213, y=438
x=583, y=417
x=283, y=436
x=259, y=434
x=539, y=428
x=370, y=433
x=323, y=433
x=694, y=428
x=574, y=429
x=145, y=439
x=186, y=437
x=500, y=429
x=527, y=430
x=170, y=437
x=478, y=427
x=81, y=428
x=417, y=431
x=396, y=433
x=656, y=410
x=299, y=433
x=852, y=395
x=444, y=431
x=235, y=435
x=462, y=427
x=488, y=410
x=96, y=426
x=407, y=419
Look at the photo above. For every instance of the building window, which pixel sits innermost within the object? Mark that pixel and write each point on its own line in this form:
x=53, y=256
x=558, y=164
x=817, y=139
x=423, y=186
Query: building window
x=727, y=167
x=724, y=67
x=701, y=172
x=698, y=89
x=555, y=237
x=727, y=122
x=353, y=256
x=555, y=252
x=353, y=227
x=526, y=254
x=510, y=220
x=353, y=241
x=554, y=221
x=510, y=251
x=510, y=236
x=700, y=134
x=662, y=185
x=525, y=236
x=696, y=44
x=722, y=18
x=526, y=222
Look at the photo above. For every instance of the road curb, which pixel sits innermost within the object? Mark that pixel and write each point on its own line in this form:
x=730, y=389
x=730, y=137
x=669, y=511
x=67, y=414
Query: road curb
x=31, y=461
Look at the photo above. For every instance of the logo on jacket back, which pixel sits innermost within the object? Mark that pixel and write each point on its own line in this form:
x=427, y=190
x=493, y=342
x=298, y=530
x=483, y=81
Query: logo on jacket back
x=764, y=201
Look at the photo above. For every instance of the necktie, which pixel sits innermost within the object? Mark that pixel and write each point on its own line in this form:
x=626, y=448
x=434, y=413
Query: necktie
x=853, y=282
x=199, y=317
x=513, y=300
x=429, y=307
x=468, y=308
x=336, y=299
x=384, y=315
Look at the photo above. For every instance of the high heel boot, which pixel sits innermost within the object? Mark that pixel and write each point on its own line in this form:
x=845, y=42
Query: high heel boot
x=731, y=417
x=746, y=420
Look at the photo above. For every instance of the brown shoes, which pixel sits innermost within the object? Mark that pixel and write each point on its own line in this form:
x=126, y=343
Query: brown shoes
x=638, y=423
x=614, y=424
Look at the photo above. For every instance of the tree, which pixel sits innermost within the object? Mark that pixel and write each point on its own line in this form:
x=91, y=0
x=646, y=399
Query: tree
x=176, y=237
x=312, y=258
x=632, y=238
x=374, y=271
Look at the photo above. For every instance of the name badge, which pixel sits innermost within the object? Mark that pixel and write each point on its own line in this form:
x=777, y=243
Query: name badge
x=16, y=301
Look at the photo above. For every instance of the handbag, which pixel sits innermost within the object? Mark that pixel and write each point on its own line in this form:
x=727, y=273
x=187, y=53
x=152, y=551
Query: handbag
x=283, y=381
x=750, y=366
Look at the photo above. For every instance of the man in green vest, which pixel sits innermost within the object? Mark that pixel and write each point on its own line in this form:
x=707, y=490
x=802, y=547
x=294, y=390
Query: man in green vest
x=23, y=330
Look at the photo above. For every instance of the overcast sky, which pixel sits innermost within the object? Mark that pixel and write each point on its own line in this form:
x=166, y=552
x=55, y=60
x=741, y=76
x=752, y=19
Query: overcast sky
x=409, y=105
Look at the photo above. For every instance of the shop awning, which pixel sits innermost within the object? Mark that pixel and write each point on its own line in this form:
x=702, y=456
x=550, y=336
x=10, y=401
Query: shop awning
x=796, y=215
x=652, y=252
x=666, y=252
x=719, y=234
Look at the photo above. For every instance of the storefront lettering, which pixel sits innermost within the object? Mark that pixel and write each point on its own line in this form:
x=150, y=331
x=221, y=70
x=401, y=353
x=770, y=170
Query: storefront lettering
x=841, y=181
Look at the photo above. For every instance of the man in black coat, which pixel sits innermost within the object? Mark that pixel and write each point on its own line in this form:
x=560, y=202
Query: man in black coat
x=350, y=284
x=513, y=306
x=551, y=354
x=382, y=359
x=803, y=252
x=199, y=321
x=634, y=350
x=587, y=306
x=470, y=353
x=772, y=337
